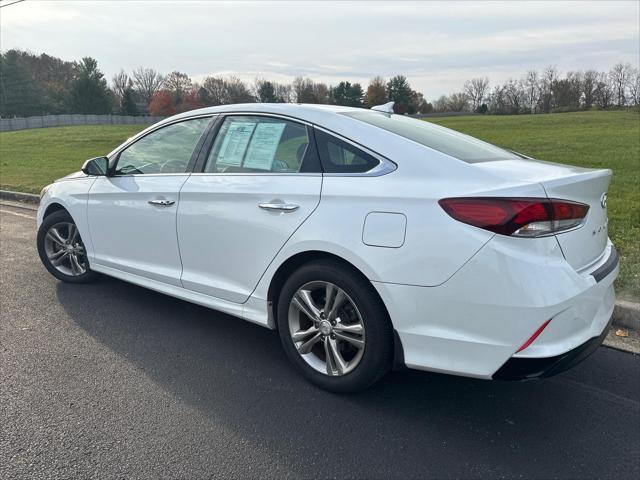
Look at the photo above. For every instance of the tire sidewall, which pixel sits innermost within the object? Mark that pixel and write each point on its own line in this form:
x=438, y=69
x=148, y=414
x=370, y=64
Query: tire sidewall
x=378, y=353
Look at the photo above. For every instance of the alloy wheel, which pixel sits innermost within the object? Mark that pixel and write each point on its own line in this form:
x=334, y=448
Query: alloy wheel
x=326, y=328
x=65, y=250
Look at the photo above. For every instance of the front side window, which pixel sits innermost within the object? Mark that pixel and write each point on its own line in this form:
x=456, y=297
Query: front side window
x=254, y=144
x=338, y=156
x=167, y=150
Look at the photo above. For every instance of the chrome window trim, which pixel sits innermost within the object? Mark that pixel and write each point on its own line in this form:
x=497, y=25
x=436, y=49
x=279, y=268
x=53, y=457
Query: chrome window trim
x=265, y=114
x=257, y=174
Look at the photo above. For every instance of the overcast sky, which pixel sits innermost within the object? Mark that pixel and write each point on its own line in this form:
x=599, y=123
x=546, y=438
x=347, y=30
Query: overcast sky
x=436, y=45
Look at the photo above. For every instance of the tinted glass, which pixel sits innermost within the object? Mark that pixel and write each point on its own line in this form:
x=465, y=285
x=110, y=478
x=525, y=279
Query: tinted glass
x=338, y=156
x=442, y=139
x=253, y=144
x=167, y=150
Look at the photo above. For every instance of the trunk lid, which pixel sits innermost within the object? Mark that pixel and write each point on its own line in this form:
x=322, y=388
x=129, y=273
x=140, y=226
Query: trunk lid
x=585, y=245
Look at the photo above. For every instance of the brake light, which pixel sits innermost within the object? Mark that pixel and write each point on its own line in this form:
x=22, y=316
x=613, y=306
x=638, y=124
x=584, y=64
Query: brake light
x=518, y=217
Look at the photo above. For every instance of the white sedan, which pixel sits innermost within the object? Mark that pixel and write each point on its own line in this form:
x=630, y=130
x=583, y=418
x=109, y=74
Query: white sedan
x=368, y=240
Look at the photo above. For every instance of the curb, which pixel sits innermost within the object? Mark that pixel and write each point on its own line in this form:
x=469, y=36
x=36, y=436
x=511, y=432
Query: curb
x=625, y=314
x=19, y=197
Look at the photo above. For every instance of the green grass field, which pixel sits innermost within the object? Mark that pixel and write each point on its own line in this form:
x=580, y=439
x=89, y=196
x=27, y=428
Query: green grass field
x=30, y=159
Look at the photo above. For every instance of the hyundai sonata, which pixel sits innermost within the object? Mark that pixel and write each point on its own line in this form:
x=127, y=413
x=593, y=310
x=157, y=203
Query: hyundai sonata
x=368, y=240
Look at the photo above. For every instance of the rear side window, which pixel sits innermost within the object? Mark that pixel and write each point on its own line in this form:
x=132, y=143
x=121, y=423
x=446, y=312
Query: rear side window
x=450, y=142
x=338, y=156
x=255, y=144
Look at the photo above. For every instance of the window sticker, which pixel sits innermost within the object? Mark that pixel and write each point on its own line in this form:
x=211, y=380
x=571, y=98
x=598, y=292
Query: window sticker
x=235, y=143
x=264, y=144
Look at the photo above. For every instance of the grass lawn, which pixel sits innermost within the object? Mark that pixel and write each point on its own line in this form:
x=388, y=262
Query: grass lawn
x=30, y=159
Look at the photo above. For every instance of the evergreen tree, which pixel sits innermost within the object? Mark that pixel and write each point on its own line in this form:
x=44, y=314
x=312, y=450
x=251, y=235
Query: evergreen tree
x=128, y=105
x=347, y=94
x=17, y=92
x=266, y=92
x=399, y=91
x=89, y=92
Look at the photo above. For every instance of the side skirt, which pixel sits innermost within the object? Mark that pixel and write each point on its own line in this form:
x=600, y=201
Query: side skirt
x=230, y=308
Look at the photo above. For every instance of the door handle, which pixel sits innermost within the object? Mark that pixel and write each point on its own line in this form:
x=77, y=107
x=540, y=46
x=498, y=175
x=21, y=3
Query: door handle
x=279, y=207
x=163, y=203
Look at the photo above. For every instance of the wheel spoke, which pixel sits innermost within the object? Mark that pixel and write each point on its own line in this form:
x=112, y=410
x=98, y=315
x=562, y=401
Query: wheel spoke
x=306, y=305
x=55, y=237
x=355, y=328
x=356, y=342
x=330, y=291
x=337, y=303
x=73, y=233
x=308, y=345
x=329, y=359
x=302, y=334
x=76, y=268
x=55, y=255
x=337, y=360
x=58, y=260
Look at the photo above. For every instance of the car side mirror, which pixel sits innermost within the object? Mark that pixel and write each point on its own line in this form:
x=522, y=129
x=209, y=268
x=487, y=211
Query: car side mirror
x=96, y=166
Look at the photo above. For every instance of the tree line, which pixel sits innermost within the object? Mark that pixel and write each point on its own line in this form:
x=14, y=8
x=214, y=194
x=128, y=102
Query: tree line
x=41, y=84
x=548, y=92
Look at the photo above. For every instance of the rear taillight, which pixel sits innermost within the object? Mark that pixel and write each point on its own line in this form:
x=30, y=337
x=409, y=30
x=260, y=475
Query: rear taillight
x=519, y=217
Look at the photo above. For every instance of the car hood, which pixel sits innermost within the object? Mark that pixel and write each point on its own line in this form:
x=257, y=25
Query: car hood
x=71, y=176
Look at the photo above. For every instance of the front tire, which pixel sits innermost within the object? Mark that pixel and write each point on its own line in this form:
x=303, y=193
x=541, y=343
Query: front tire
x=334, y=327
x=61, y=249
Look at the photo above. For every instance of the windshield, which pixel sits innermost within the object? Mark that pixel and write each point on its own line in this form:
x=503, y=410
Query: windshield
x=458, y=145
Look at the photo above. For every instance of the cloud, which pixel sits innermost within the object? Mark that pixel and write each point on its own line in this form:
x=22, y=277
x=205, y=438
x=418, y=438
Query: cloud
x=437, y=45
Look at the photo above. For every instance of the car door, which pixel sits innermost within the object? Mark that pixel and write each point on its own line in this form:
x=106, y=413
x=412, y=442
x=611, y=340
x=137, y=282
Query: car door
x=132, y=211
x=258, y=183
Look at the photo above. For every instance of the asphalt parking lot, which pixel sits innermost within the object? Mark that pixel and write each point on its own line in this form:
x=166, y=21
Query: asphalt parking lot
x=110, y=380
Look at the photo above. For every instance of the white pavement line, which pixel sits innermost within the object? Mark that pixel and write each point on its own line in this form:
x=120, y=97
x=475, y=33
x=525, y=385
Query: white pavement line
x=18, y=214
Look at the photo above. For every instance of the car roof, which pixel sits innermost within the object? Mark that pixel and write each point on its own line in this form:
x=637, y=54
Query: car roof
x=312, y=113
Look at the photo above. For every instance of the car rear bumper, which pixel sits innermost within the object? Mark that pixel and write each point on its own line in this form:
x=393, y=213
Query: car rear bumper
x=475, y=323
x=534, y=368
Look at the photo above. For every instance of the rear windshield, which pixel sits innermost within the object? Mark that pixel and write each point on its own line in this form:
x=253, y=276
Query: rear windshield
x=458, y=145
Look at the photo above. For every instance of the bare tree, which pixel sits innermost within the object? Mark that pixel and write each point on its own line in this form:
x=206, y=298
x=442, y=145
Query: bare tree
x=458, y=102
x=237, y=91
x=589, y=86
x=120, y=83
x=441, y=104
x=514, y=95
x=179, y=84
x=604, y=92
x=532, y=85
x=147, y=82
x=549, y=78
x=620, y=75
x=634, y=86
x=476, y=90
x=497, y=100
x=215, y=92
x=283, y=93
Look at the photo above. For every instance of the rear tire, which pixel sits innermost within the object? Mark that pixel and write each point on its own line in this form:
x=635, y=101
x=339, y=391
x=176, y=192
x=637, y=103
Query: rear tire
x=61, y=249
x=344, y=344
